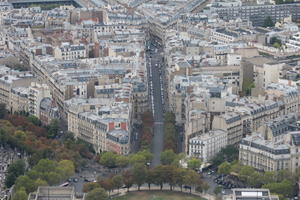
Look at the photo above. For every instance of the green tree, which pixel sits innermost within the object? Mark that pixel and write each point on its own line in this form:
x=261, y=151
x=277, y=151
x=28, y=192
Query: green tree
x=108, y=159
x=65, y=168
x=150, y=178
x=284, y=188
x=53, y=129
x=167, y=157
x=117, y=181
x=39, y=182
x=20, y=194
x=122, y=161
x=139, y=174
x=35, y=120
x=218, y=190
x=194, y=163
x=229, y=154
x=87, y=187
x=45, y=165
x=26, y=182
x=137, y=159
x=53, y=178
x=14, y=170
x=192, y=179
x=224, y=168
x=246, y=172
x=2, y=110
x=158, y=176
x=268, y=22
x=179, y=175
x=97, y=194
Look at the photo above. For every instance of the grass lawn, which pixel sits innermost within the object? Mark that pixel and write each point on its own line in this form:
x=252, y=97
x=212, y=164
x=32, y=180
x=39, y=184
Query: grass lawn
x=157, y=195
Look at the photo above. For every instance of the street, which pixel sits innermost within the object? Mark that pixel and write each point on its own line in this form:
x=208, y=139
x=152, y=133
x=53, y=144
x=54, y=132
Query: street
x=154, y=63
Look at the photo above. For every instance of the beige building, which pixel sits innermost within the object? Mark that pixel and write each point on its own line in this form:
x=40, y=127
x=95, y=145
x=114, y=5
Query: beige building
x=19, y=100
x=288, y=95
x=37, y=92
x=232, y=123
x=268, y=155
x=101, y=122
x=8, y=82
x=207, y=145
x=70, y=52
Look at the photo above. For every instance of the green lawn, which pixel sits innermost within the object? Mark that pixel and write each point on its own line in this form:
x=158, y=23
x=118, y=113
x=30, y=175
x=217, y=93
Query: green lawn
x=156, y=195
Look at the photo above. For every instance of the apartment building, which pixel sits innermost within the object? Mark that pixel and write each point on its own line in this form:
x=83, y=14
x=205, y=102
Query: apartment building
x=264, y=155
x=18, y=100
x=274, y=147
x=69, y=51
x=8, y=82
x=232, y=124
x=258, y=13
x=102, y=122
x=207, y=145
x=289, y=95
x=37, y=92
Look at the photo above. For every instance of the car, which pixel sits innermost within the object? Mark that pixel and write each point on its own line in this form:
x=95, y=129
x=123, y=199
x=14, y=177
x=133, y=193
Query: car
x=75, y=180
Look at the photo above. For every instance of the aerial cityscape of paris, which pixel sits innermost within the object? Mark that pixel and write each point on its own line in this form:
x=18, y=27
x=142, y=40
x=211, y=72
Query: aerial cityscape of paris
x=149, y=99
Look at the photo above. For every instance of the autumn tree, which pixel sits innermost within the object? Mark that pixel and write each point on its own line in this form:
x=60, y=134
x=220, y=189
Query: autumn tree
x=128, y=179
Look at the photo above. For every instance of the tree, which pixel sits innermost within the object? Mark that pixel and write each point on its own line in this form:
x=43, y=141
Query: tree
x=122, y=161
x=39, y=182
x=106, y=184
x=35, y=120
x=52, y=178
x=150, y=178
x=128, y=179
x=224, y=168
x=194, y=163
x=66, y=168
x=139, y=174
x=108, y=159
x=246, y=172
x=229, y=153
x=191, y=178
x=167, y=157
x=284, y=188
x=2, y=110
x=53, y=129
x=117, y=181
x=14, y=170
x=20, y=194
x=180, y=173
x=87, y=187
x=26, y=182
x=158, y=176
x=97, y=194
x=268, y=22
x=218, y=190
x=45, y=165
